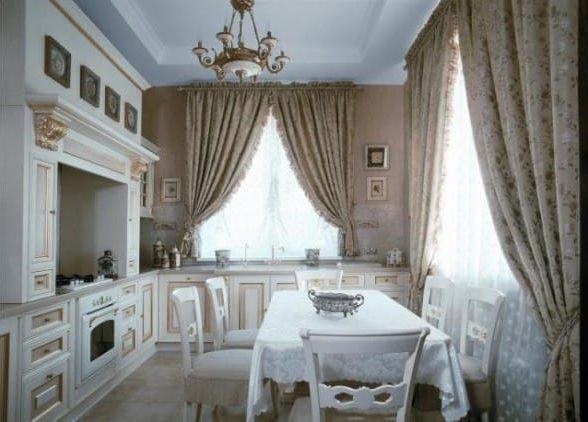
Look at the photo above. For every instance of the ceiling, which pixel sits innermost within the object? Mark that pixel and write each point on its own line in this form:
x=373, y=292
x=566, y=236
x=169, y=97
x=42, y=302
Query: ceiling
x=359, y=40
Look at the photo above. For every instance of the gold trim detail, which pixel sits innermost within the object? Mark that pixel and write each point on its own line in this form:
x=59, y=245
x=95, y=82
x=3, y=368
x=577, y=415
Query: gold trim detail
x=49, y=130
x=138, y=167
x=94, y=43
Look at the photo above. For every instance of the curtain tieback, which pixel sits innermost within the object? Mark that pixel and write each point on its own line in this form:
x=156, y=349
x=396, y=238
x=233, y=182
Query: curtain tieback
x=563, y=335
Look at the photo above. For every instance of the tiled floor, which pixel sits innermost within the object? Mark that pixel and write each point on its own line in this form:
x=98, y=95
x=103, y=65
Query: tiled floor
x=154, y=393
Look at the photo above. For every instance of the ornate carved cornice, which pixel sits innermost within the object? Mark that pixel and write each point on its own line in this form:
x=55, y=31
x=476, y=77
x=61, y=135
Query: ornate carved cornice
x=138, y=167
x=49, y=130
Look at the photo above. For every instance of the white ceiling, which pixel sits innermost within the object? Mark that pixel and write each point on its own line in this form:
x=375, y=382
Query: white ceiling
x=360, y=40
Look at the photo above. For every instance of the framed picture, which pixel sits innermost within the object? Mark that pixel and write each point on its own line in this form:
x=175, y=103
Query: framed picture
x=170, y=189
x=376, y=157
x=376, y=189
x=57, y=61
x=89, y=86
x=112, y=104
x=130, y=118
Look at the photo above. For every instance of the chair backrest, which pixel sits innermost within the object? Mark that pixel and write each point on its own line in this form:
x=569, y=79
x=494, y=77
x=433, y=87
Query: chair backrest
x=486, y=332
x=440, y=291
x=384, y=397
x=319, y=279
x=187, y=306
x=220, y=305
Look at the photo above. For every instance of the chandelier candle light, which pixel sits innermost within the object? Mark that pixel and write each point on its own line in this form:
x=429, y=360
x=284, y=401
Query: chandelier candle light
x=242, y=61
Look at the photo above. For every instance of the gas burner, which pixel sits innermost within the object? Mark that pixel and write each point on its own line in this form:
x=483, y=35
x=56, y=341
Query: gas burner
x=67, y=284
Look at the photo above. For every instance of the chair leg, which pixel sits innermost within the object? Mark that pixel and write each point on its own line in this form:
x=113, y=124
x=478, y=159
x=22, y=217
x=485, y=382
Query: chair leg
x=274, y=392
x=198, y=412
x=187, y=412
x=485, y=417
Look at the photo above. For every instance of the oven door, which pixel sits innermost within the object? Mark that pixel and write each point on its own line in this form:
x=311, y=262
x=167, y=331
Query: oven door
x=99, y=339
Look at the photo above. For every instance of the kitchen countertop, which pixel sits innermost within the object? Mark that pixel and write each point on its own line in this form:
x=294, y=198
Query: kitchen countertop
x=8, y=310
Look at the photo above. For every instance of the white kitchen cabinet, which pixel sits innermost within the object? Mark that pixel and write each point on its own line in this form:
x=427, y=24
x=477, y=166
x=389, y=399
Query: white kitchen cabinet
x=282, y=282
x=8, y=365
x=133, y=230
x=146, y=192
x=249, y=298
x=148, y=310
x=168, y=321
x=394, y=284
x=46, y=392
x=43, y=244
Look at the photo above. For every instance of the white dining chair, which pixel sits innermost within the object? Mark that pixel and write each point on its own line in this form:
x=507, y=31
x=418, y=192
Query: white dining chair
x=318, y=279
x=479, y=335
x=223, y=337
x=338, y=401
x=213, y=378
x=437, y=299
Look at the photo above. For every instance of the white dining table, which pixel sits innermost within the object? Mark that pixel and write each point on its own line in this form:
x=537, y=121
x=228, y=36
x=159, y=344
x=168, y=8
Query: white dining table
x=278, y=353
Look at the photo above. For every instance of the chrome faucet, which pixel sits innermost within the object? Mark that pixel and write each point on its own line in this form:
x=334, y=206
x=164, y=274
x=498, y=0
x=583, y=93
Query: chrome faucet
x=245, y=254
x=274, y=248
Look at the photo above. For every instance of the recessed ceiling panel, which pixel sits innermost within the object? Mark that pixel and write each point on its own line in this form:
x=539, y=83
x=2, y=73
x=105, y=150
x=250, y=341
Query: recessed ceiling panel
x=360, y=40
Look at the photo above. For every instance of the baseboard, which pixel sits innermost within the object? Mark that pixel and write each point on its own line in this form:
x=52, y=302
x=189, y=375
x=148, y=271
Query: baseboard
x=85, y=405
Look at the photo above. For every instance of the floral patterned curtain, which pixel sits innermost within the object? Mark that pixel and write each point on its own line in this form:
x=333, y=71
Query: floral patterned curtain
x=520, y=67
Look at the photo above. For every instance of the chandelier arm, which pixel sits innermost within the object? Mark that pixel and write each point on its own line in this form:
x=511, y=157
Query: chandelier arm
x=254, y=26
x=240, y=39
x=206, y=61
x=274, y=67
x=231, y=26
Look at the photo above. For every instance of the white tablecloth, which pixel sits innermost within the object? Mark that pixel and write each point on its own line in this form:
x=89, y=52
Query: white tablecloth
x=278, y=350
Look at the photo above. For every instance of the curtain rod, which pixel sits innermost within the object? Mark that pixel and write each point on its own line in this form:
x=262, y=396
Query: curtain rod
x=270, y=86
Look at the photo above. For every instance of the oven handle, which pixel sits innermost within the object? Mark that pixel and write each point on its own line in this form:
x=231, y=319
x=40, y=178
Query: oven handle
x=107, y=309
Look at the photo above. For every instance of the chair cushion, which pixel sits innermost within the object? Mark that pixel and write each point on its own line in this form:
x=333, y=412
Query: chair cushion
x=477, y=383
x=240, y=339
x=219, y=378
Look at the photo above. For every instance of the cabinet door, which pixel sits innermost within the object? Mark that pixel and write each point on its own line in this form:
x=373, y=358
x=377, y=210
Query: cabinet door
x=282, y=282
x=43, y=186
x=45, y=394
x=133, y=228
x=250, y=296
x=169, y=328
x=148, y=309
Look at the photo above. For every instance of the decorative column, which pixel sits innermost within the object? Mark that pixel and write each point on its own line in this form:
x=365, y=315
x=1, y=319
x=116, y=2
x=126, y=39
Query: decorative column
x=138, y=167
x=49, y=130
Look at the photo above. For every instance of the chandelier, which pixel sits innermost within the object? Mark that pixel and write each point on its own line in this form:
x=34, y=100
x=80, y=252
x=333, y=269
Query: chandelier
x=240, y=60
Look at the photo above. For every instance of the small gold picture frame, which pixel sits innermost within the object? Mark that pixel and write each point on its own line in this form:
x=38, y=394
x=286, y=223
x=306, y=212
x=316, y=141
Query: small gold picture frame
x=171, y=189
x=130, y=118
x=89, y=86
x=57, y=61
x=377, y=189
x=376, y=157
x=112, y=104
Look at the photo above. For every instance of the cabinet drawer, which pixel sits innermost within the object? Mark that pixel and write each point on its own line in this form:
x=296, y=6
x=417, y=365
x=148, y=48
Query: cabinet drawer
x=387, y=281
x=129, y=311
x=352, y=281
x=128, y=340
x=44, y=349
x=41, y=283
x=45, y=320
x=45, y=394
x=128, y=292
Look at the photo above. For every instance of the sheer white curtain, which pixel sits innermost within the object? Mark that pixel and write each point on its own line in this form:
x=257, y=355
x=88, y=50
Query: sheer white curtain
x=470, y=255
x=268, y=208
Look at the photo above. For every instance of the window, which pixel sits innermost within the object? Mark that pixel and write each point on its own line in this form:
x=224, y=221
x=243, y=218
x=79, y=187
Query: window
x=470, y=255
x=268, y=208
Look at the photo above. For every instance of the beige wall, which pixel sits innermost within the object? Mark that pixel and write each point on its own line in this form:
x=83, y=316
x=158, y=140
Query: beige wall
x=379, y=120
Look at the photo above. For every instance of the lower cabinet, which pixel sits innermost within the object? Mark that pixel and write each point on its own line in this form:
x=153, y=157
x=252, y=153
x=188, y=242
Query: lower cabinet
x=45, y=392
x=249, y=298
x=169, y=329
x=148, y=311
x=8, y=365
x=282, y=282
x=394, y=284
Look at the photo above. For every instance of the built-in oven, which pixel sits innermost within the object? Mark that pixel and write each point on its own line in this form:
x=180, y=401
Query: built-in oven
x=99, y=332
